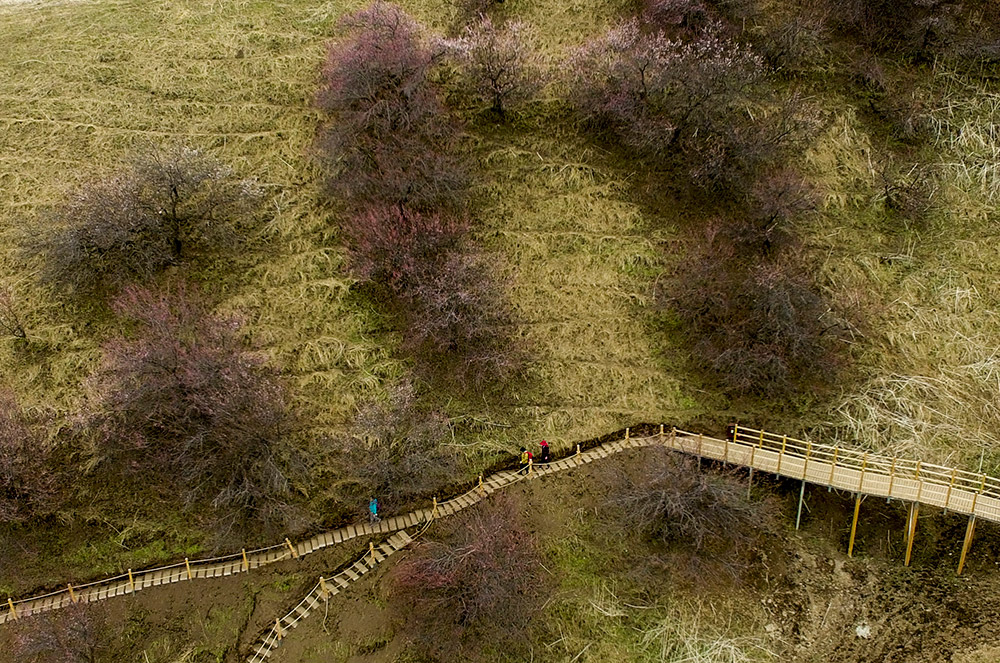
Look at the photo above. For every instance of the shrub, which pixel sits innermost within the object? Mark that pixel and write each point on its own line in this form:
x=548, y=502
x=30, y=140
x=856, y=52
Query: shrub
x=180, y=403
x=11, y=318
x=683, y=17
x=390, y=246
x=390, y=140
x=27, y=484
x=164, y=208
x=453, y=313
x=77, y=633
x=459, y=325
x=656, y=92
x=499, y=63
x=482, y=584
x=729, y=157
x=757, y=323
x=396, y=452
x=707, y=514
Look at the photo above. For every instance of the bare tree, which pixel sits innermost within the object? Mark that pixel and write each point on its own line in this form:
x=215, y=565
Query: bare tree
x=164, y=208
x=674, y=504
x=397, y=451
x=656, y=92
x=27, y=484
x=500, y=64
x=483, y=581
x=757, y=323
x=453, y=312
x=389, y=140
x=181, y=402
x=74, y=634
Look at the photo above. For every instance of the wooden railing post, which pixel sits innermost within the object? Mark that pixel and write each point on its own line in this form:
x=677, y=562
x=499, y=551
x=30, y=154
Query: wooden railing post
x=295, y=553
x=371, y=550
x=892, y=478
x=72, y=595
x=833, y=466
x=947, y=499
x=13, y=612
x=482, y=491
x=246, y=562
x=187, y=565
x=278, y=630
x=131, y=581
x=323, y=588
x=434, y=509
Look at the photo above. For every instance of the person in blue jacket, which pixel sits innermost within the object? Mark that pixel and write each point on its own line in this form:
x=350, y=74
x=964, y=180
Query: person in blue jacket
x=373, y=511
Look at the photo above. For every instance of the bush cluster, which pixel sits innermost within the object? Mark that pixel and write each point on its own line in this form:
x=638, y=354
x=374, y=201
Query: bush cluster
x=395, y=163
x=480, y=586
x=181, y=404
x=702, y=522
x=167, y=207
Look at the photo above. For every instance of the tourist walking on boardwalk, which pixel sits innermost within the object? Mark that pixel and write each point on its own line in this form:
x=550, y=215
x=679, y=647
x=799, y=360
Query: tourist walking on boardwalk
x=373, y=511
x=526, y=457
x=544, y=456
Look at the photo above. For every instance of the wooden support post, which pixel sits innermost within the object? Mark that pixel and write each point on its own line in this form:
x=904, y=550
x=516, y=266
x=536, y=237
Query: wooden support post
x=13, y=612
x=781, y=454
x=911, y=530
x=72, y=595
x=892, y=477
x=482, y=491
x=131, y=581
x=323, y=588
x=661, y=431
x=295, y=553
x=371, y=549
x=246, y=562
x=802, y=494
x=187, y=565
x=854, y=525
x=277, y=629
x=577, y=448
x=967, y=543
x=434, y=510
x=627, y=433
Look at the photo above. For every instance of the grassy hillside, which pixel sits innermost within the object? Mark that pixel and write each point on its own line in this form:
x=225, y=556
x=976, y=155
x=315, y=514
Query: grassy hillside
x=82, y=84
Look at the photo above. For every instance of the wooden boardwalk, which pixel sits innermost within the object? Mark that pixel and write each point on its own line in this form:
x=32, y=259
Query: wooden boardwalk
x=861, y=473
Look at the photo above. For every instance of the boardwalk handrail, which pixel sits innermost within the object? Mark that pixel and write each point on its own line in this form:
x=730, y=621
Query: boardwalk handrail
x=854, y=458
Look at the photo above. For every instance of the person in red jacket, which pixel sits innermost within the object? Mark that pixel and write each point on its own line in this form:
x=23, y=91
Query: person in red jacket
x=544, y=456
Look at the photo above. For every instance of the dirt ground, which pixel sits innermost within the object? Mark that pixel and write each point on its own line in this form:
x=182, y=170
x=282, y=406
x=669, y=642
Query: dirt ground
x=812, y=605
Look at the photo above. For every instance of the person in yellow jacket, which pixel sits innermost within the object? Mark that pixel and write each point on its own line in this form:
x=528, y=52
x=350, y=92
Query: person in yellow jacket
x=526, y=457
